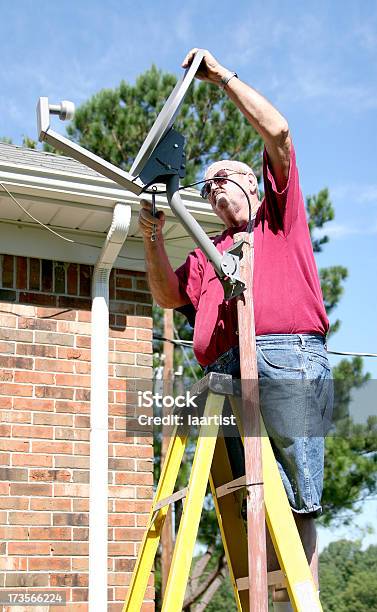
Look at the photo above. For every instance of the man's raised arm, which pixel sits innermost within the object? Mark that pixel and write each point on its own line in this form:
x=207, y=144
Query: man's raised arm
x=163, y=282
x=263, y=116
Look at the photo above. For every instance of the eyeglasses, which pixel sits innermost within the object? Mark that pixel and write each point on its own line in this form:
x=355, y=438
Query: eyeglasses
x=220, y=177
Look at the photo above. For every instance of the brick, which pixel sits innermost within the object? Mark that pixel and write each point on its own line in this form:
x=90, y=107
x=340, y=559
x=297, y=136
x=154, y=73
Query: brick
x=26, y=580
x=70, y=548
x=144, y=334
x=80, y=533
x=7, y=295
x=49, y=475
x=54, y=365
x=32, y=403
x=51, y=504
x=36, y=378
x=15, y=416
x=13, y=474
x=121, y=549
x=34, y=323
x=72, y=462
x=21, y=363
x=80, y=564
x=21, y=272
x=18, y=335
x=46, y=299
x=82, y=395
x=47, y=276
x=122, y=520
x=34, y=274
x=72, y=580
x=131, y=478
x=55, y=392
x=143, y=322
x=13, y=445
x=121, y=464
x=59, y=277
x=39, y=350
x=133, y=372
x=32, y=431
x=144, y=311
x=76, y=303
x=71, y=518
x=8, y=269
x=71, y=433
x=71, y=353
x=52, y=419
x=52, y=447
x=40, y=489
x=80, y=476
x=73, y=380
x=56, y=313
x=72, y=407
x=13, y=533
x=80, y=594
x=121, y=492
x=83, y=341
x=71, y=490
x=144, y=492
x=144, y=360
x=6, y=402
x=81, y=504
x=16, y=389
x=6, y=376
x=5, y=458
x=51, y=564
x=29, y=548
x=30, y=518
x=82, y=421
x=123, y=282
x=124, y=564
x=131, y=505
x=14, y=503
x=50, y=533
x=82, y=367
x=42, y=337
x=72, y=279
x=7, y=348
x=5, y=431
x=31, y=459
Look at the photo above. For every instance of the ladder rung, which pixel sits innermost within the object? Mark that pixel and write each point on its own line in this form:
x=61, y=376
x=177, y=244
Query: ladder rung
x=169, y=500
x=231, y=486
x=275, y=578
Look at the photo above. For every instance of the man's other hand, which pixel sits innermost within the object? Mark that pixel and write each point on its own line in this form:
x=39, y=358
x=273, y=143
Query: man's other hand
x=209, y=69
x=148, y=223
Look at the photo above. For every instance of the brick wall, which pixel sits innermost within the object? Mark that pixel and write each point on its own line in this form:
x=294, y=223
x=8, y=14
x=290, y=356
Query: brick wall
x=44, y=430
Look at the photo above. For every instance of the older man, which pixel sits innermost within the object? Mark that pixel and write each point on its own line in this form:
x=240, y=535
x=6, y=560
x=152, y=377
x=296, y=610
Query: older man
x=290, y=318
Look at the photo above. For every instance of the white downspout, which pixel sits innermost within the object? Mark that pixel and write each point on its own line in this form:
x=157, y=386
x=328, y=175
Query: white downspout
x=98, y=484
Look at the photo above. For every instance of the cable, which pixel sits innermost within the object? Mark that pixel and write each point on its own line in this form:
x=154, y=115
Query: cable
x=216, y=178
x=34, y=218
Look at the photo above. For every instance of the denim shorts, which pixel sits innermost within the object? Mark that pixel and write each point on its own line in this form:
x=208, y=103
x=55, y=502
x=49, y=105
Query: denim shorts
x=296, y=402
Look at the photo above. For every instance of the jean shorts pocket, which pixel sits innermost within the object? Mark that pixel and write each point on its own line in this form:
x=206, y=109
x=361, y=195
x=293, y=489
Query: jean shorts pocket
x=319, y=357
x=282, y=359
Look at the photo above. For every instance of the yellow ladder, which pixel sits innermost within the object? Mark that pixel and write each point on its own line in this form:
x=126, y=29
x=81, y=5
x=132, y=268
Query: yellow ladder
x=211, y=463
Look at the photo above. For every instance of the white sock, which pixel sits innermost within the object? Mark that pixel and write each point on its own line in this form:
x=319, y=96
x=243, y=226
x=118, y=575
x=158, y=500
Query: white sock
x=282, y=606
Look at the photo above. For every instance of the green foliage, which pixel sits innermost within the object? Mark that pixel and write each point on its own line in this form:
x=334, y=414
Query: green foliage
x=348, y=578
x=6, y=140
x=320, y=211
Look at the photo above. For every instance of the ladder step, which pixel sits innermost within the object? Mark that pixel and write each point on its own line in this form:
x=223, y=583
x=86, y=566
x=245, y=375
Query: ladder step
x=231, y=487
x=169, y=500
x=275, y=578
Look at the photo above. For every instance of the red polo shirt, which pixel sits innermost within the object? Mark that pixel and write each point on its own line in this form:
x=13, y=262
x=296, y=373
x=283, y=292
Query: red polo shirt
x=287, y=292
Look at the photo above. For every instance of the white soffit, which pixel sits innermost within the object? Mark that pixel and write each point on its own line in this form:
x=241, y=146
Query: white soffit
x=78, y=203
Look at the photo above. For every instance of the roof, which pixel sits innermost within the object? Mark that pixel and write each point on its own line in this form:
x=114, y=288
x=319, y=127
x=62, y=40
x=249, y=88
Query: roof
x=32, y=158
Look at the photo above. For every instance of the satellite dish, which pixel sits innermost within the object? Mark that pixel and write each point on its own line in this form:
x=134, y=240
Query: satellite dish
x=167, y=116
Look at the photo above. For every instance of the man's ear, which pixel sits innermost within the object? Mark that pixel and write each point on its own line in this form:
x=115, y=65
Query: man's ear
x=253, y=182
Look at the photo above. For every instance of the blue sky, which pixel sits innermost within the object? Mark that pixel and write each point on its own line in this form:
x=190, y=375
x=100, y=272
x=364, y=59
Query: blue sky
x=317, y=64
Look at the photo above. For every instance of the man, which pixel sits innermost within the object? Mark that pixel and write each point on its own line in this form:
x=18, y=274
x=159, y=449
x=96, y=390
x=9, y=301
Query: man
x=290, y=318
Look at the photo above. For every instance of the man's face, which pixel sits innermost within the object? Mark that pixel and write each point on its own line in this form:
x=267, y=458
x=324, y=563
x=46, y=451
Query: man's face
x=226, y=198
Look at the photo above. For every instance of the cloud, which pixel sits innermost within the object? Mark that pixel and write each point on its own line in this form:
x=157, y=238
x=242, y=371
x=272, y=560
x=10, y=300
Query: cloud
x=358, y=194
